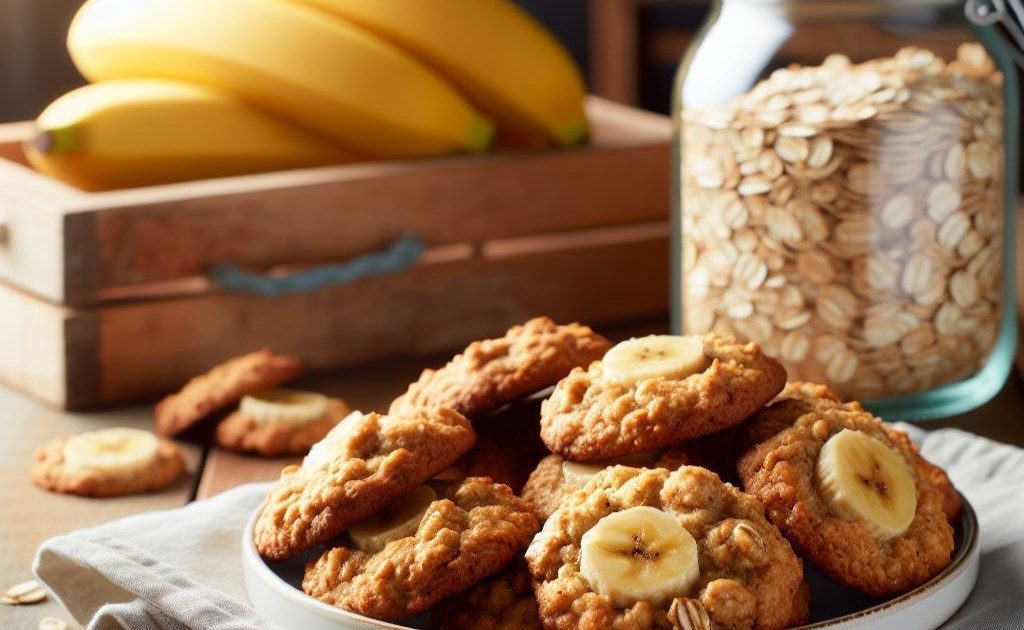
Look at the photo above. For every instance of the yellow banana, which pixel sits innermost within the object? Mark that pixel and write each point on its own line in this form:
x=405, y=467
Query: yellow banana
x=314, y=69
x=498, y=54
x=130, y=133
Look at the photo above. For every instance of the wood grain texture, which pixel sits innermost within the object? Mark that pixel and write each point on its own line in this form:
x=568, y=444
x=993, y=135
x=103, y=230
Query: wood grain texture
x=94, y=243
x=84, y=357
x=32, y=243
x=151, y=346
x=32, y=354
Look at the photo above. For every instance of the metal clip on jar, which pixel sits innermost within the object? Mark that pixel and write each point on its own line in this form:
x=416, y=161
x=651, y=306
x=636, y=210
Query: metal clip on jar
x=843, y=197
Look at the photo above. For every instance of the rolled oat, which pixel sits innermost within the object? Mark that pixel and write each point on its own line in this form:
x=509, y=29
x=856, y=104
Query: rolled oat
x=850, y=218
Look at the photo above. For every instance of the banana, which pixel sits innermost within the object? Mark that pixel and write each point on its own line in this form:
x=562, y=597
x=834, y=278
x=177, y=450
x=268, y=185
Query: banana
x=284, y=405
x=863, y=479
x=577, y=474
x=128, y=133
x=501, y=57
x=399, y=520
x=639, y=554
x=656, y=356
x=112, y=451
x=314, y=69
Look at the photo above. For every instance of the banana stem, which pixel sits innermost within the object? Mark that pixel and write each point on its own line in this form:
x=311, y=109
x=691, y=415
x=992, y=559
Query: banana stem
x=53, y=140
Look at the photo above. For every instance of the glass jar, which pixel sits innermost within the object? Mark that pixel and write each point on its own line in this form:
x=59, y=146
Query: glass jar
x=842, y=196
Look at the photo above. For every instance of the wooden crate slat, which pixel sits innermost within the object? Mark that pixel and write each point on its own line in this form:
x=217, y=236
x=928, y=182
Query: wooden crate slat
x=155, y=345
x=32, y=354
x=109, y=241
x=32, y=236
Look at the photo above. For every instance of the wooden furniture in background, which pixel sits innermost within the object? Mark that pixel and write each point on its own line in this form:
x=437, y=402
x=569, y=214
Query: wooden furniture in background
x=632, y=58
x=105, y=297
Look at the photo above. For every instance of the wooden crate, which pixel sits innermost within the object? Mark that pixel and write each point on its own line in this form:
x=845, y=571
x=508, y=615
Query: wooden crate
x=104, y=296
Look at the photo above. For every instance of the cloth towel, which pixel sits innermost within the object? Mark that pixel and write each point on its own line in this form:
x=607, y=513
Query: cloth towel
x=182, y=569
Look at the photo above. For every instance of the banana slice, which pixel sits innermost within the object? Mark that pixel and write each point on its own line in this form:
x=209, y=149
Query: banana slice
x=399, y=520
x=116, y=450
x=639, y=554
x=864, y=479
x=284, y=405
x=656, y=356
x=577, y=474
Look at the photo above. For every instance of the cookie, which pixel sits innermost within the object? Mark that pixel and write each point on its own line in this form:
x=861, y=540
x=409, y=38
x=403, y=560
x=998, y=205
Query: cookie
x=472, y=531
x=556, y=478
x=107, y=463
x=648, y=548
x=239, y=431
x=494, y=372
x=594, y=414
x=362, y=465
x=799, y=398
x=487, y=458
x=503, y=602
x=852, y=495
x=223, y=386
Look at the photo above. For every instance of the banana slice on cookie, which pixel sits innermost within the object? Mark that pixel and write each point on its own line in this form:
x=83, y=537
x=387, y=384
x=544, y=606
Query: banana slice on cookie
x=112, y=451
x=284, y=405
x=863, y=479
x=656, y=356
x=639, y=554
x=399, y=520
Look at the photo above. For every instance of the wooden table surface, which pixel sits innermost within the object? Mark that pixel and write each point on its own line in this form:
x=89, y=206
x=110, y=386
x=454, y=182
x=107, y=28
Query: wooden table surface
x=30, y=515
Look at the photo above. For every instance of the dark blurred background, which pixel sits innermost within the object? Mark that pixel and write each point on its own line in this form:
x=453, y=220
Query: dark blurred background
x=604, y=35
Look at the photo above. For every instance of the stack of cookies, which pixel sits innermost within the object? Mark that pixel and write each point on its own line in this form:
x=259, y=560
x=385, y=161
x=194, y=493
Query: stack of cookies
x=632, y=516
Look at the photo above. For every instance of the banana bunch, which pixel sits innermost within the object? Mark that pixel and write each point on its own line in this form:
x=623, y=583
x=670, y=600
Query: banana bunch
x=190, y=89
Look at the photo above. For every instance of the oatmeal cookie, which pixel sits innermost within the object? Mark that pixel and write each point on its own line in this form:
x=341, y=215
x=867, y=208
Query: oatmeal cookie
x=800, y=398
x=240, y=432
x=782, y=472
x=745, y=573
x=590, y=416
x=364, y=463
x=471, y=532
x=503, y=602
x=493, y=372
x=549, y=483
x=222, y=386
x=52, y=471
x=488, y=459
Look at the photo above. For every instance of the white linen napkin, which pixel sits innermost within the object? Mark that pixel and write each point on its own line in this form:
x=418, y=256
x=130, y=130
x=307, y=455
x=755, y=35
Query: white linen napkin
x=179, y=569
x=182, y=569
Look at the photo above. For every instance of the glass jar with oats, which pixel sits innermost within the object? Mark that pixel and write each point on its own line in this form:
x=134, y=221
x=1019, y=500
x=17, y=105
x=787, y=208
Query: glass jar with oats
x=843, y=196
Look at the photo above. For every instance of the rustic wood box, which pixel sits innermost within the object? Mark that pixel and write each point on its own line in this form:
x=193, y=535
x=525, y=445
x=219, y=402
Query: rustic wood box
x=104, y=296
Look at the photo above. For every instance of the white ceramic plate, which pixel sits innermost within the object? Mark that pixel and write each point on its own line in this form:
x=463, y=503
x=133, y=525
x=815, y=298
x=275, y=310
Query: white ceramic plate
x=274, y=591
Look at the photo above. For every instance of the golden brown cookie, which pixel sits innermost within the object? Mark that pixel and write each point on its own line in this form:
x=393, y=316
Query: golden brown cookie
x=106, y=476
x=239, y=432
x=591, y=416
x=494, y=372
x=549, y=483
x=744, y=574
x=222, y=386
x=502, y=602
x=471, y=532
x=783, y=472
x=363, y=464
x=800, y=398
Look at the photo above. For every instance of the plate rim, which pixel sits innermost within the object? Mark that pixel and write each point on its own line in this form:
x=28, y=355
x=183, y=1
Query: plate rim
x=959, y=564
